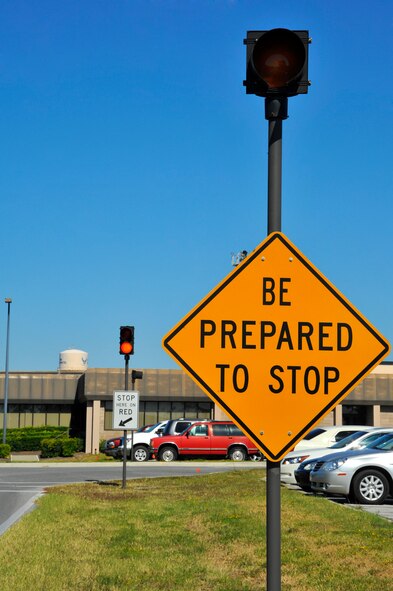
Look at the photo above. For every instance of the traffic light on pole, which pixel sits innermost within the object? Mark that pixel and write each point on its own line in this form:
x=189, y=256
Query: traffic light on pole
x=126, y=340
x=277, y=62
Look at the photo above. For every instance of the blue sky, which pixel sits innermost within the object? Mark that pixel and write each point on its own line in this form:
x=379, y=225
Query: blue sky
x=132, y=164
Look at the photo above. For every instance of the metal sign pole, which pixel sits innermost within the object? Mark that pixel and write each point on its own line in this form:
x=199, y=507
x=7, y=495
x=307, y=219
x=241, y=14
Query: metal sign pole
x=126, y=361
x=132, y=432
x=275, y=111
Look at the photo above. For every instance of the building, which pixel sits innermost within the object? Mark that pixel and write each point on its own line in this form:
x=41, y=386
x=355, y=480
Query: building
x=81, y=398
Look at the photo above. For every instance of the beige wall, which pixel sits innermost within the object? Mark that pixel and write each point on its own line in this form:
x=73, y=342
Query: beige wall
x=386, y=417
x=220, y=415
x=93, y=413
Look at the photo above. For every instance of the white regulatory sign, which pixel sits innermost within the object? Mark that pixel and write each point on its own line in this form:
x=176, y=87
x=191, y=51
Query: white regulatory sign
x=125, y=410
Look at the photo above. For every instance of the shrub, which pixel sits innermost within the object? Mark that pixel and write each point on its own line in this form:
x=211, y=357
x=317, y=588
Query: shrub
x=51, y=448
x=5, y=450
x=29, y=438
x=60, y=447
x=52, y=441
x=69, y=447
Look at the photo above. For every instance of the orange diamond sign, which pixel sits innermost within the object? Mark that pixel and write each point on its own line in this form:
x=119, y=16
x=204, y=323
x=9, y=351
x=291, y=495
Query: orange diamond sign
x=276, y=346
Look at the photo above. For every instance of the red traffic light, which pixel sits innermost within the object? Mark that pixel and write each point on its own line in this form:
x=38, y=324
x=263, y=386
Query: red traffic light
x=126, y=340
x=277, y=62
x=125, y=348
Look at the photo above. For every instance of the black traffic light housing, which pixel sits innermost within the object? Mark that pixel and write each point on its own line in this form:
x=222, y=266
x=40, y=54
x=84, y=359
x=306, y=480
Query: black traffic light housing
x=126, y=346
x=277, y=62
x=136, y=374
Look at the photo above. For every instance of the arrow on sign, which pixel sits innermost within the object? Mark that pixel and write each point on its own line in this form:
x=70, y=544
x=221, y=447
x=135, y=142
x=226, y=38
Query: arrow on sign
x=122, y=423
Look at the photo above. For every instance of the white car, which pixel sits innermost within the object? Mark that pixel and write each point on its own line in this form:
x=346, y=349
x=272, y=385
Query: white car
x=356, y=440
x=141, y=441
x=320, y=437
x=326, y=436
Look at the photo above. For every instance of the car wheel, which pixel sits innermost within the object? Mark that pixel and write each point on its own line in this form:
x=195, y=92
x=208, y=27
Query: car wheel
x=237, y=454
x=256, y=457
x=141, y=454
x=167, y=454
x=370, y=487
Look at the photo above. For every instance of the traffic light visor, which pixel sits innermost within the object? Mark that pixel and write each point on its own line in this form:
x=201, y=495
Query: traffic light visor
x=278, y=57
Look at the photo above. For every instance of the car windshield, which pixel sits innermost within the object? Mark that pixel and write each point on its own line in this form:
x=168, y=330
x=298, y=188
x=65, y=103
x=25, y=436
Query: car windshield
x=152, y=427
x=313, y=433
x=347, y=440
x=373, y=438
x=385, y=443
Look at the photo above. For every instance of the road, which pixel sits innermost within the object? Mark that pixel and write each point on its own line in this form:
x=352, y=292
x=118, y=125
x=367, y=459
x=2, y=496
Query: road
x=21, y=484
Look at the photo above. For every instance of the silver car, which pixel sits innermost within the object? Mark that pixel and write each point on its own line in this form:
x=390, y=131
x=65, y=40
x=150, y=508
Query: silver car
x=357, y=440
x=365, y=476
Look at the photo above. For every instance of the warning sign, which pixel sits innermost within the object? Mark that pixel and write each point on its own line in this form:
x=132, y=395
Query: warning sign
x=276, y=346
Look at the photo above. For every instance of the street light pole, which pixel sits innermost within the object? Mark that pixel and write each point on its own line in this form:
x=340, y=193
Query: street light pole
x=8, y=301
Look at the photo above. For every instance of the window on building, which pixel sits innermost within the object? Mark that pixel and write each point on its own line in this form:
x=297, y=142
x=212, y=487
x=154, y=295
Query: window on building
x=356, y=414
x=177, y=410
x=151, y=413
x=26, y=415
x=37, y=415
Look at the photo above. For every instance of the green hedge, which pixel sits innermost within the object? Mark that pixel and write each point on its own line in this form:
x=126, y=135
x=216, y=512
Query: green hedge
x=29, y=438
x=5, y=450
x=61, y=447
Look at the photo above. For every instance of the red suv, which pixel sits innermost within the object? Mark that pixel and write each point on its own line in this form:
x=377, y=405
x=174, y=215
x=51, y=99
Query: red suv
x=210, y=438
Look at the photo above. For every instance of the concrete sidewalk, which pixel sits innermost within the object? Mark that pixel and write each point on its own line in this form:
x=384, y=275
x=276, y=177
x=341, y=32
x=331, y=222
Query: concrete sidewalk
x=19, y=457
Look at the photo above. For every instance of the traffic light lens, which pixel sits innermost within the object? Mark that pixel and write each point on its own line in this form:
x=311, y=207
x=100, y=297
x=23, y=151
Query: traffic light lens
x=278, y=57
x=126, y=348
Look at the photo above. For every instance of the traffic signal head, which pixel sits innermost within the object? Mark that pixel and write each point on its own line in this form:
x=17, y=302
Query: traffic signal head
x=277, y=62
x=126, y=340
x=136, y=374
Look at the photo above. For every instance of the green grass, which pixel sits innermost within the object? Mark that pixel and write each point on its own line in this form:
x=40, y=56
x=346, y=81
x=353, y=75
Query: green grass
x=80, y=457
x=204, y=533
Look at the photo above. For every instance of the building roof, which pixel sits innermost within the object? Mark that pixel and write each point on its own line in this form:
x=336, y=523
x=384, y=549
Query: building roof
x=43, y=387
x=157, y=384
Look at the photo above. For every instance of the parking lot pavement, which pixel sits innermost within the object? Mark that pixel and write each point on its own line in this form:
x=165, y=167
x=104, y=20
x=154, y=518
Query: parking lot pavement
x=385, y=510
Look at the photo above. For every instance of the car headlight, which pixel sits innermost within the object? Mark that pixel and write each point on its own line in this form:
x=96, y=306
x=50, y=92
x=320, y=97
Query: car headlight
x=334, y=464
x=309, y=466
x=295, y=460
